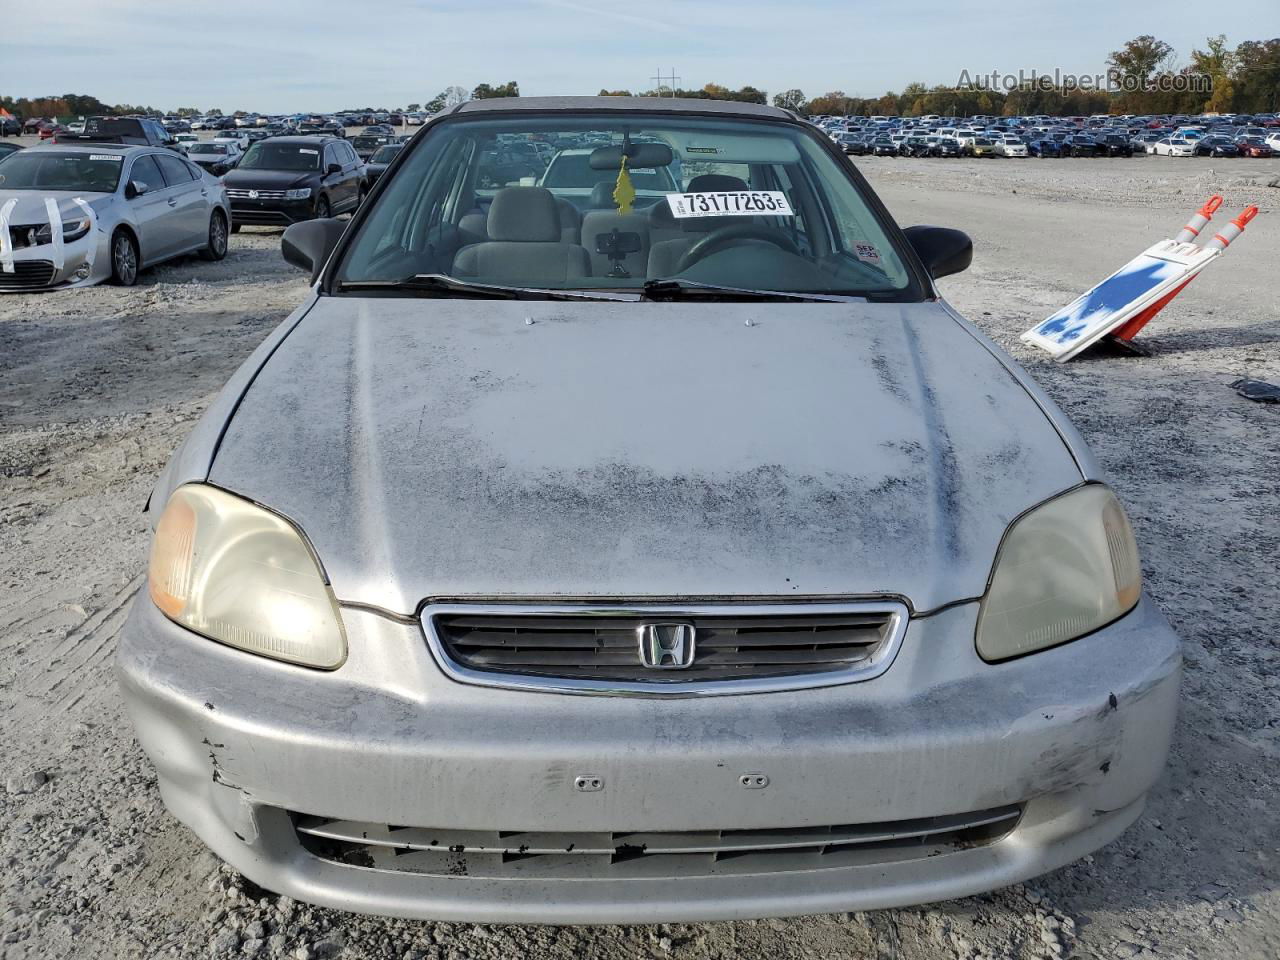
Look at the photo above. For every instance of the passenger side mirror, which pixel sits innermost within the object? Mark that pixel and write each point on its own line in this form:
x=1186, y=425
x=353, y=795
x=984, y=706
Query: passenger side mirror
x=944, y=251
x=307, y=245
x=135, y=188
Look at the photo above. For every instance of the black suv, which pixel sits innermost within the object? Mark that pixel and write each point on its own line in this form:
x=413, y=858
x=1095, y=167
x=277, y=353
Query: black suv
x=132, y=131
x=287, y=179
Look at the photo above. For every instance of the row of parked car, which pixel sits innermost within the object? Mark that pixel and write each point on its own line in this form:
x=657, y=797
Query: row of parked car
x=1254, y=136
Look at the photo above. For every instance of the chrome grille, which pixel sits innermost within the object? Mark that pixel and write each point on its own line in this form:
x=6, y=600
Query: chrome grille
x=237, y=193
x=600, y=855
x=595, y=649
x=27, y=273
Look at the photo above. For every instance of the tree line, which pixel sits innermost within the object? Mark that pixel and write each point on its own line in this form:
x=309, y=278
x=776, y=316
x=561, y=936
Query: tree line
x=1144, y=77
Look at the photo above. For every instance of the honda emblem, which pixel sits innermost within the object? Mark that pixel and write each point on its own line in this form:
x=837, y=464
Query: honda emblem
x=666, y=646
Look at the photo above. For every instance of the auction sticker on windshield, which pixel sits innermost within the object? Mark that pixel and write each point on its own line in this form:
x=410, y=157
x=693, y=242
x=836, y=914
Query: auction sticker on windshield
x=737, y=203
x=106, y=156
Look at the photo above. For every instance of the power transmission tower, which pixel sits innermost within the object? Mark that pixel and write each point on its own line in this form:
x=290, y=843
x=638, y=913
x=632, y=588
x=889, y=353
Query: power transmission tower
x=675, y=81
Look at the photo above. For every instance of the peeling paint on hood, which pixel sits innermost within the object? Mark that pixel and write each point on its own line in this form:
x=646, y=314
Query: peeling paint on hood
x=451, y=448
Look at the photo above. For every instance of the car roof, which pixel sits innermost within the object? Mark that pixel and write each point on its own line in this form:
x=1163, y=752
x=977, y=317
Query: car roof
x=304, y=141
x=619, y=104
x=123, y=149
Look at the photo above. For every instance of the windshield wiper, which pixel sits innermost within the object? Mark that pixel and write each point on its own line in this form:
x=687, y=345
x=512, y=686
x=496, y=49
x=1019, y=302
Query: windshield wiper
x=673, y=288
x=441, y=284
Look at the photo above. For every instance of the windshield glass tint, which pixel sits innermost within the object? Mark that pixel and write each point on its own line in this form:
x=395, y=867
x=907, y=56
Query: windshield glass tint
x=207, y=148
x=385, y=154
x=265, y=155
x=730, y=202
x=41, y=170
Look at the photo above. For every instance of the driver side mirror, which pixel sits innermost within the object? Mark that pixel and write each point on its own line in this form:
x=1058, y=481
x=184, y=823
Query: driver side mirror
x=333, y=168
x=135, y=188
x=944, y=251
x=307, y=245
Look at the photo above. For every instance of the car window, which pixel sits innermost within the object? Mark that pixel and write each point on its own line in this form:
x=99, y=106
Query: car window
x=175, y=172
x=145, y=170
x=788, y=214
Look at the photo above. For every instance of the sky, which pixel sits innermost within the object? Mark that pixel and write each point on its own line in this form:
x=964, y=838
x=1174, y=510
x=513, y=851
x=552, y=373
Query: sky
x=284, y=56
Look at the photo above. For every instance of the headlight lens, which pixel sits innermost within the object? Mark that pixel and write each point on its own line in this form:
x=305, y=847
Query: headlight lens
x=1065, y=569
x=301, y=193
x=243, y=576
x=71, y=230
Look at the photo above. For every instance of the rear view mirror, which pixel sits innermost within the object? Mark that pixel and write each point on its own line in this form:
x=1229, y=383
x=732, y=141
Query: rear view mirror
x=616, y=245
x=944, y=251
x=307, y=245
x=638, y=155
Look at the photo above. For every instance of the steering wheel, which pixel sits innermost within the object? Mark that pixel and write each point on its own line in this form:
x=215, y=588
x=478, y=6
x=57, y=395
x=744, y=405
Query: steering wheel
x=717, y=240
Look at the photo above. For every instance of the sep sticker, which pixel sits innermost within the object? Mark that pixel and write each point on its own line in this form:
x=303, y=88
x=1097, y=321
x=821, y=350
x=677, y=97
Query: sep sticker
x=735, y=203
x=305, y=150
x=867, y=253
x=106, y=156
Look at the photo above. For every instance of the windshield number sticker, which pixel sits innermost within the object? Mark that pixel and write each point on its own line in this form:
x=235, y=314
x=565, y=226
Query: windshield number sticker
x=738, y=203
x=305, y=150
x=106, y=156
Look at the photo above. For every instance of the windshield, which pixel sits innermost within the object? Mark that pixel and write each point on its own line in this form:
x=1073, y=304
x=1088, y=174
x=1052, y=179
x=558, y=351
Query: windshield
x=386, y=154
x=207, y=148
x=45, y=170
x=758, y=205
x=265, y=155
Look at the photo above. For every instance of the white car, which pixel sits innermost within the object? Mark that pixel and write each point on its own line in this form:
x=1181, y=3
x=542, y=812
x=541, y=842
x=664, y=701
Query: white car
x=1010, y=147
x=241, y=140
x=184, y=140
x=1170, y=147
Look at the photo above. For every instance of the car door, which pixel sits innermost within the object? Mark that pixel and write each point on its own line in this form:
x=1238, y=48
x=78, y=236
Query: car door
x=151, y=210
x=352, y=172
x=188, y=202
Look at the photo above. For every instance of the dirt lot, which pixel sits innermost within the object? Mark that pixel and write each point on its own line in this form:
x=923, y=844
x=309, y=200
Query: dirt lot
x=98, y=386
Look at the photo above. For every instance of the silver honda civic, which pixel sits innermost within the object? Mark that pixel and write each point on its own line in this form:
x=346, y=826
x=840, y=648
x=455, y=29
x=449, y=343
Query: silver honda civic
x=74, y=216
x=630, y=555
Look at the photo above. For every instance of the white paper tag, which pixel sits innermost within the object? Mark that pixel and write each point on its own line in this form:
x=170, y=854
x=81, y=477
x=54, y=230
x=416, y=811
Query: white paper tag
x=867, y=253
x=305, y=150
x=106, y=156
x=736, y=203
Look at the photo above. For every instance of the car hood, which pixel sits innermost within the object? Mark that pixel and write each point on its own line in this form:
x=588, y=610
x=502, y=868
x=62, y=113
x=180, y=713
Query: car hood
x=31, y=207
x=450, y=448
x=268, y=179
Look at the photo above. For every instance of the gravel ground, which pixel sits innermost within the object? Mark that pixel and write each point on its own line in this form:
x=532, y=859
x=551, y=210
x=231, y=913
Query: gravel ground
x=98, y=386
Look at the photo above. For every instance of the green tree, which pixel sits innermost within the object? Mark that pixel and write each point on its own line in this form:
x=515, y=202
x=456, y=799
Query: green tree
x=790, y=100
x=614, y=93
x=486, y=92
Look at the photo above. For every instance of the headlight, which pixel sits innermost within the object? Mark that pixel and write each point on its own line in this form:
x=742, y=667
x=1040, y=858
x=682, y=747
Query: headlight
x=1065, y=569
x=71, y=230
x=301, y=193
x=243, y=576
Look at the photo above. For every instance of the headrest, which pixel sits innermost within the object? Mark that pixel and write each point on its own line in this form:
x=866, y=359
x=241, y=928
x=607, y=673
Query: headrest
x=524, y=215
x=716, y=183
x=602, y=196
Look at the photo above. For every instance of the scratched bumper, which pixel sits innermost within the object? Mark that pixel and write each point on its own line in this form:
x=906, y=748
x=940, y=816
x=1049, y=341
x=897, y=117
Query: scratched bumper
x=1076, y=736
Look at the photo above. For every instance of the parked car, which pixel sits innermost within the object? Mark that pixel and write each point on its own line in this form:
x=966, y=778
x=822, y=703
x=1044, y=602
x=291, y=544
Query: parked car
x=1216, y=146
x=184, y=140
x=1044, y=147
x=884, y=147
x=1081, y=145
x=1010, y=146
x=978, y=147
x=52, y=131
x=1254, y=147
x=1114, y=145
x=1169, y=147
x=945, y=147
x=136, y=131
x=377, y=164
x=287, y=179
x=217, y=158
x=7, y=149
x=442, y=622
x=122, y=209
x=366, y=145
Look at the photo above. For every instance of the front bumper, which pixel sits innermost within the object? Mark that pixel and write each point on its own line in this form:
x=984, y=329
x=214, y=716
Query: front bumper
x=270, y=213
x=34, y=268
x=1074, y=736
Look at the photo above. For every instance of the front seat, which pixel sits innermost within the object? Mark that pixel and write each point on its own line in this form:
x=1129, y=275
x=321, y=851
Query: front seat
x=665, y=254
x=524, y=244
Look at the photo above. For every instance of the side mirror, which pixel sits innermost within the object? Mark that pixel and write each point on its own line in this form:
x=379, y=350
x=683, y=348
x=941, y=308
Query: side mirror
x=135, y=188
x=333, y=168
x=944, y=251
x=307, y=245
